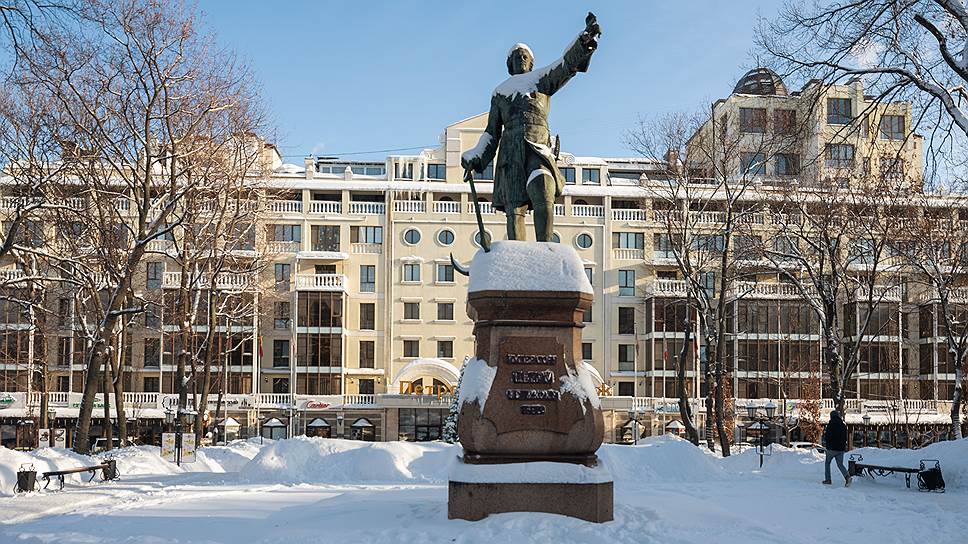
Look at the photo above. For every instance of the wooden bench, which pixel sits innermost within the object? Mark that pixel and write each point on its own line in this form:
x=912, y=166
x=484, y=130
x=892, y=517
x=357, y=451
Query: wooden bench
x=109, y=471
x=856, y=467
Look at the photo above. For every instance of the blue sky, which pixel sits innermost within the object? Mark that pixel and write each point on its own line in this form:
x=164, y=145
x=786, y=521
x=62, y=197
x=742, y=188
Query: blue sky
x=354, y=76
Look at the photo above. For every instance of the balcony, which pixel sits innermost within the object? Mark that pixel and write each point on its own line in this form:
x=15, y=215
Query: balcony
x=227, y=282
x=668, y=288
x=282, y=246
x=11, y=274
x=486, y=207
x=587, y=210
x=628, y=254
x=750, y=289
x=629, y=215
x=446, y=207
x=559, y=210
x=367, y=249
x=367, y=208
x=664, y=217
x=284, y=206
x=320, y=282
x=410, y=206
x=326, y=207
x=160, y=246
x=882, y=293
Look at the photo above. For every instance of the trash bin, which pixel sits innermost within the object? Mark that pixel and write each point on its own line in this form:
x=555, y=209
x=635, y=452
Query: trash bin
x=26, y=479
x=110, y=470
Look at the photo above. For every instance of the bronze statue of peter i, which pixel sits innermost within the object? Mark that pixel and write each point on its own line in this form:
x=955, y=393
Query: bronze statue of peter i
x=526, y=176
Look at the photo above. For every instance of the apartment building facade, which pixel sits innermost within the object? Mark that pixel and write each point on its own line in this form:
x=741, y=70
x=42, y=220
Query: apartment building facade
x=358, y=326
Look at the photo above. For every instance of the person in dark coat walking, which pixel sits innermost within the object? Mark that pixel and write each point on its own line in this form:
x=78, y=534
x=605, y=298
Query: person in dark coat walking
x=835, y=443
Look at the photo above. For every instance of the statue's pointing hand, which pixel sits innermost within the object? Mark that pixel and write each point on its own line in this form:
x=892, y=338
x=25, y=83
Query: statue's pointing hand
x=589, y=38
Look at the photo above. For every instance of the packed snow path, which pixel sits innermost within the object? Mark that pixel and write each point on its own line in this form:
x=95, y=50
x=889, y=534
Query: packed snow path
x=314, y=490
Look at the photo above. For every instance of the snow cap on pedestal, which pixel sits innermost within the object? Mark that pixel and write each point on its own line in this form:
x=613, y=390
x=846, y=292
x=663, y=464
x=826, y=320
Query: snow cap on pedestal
x=528, y=266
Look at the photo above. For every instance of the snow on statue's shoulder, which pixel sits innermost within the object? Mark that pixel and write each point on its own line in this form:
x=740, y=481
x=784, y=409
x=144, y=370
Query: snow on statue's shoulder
x=528, y=266
x=526, y=83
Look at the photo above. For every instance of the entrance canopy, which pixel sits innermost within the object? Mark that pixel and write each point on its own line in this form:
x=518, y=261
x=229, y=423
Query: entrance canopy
x=318, y=423
x=426, y=367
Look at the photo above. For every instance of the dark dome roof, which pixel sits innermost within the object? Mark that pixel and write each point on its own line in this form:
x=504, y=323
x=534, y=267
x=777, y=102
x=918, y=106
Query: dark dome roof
x=762, y=81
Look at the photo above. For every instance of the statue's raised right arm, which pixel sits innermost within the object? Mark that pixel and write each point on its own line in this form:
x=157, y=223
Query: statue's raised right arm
x=575, y=59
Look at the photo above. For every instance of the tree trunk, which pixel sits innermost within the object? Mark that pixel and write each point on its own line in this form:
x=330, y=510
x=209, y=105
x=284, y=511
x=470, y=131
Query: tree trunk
x=958, y=395
x=720, y=412
x=692, y=434
x=202, y=406
x=831, y=352
x=108, y=429
x=710, y=395
x=118, y=383
x=82, y=432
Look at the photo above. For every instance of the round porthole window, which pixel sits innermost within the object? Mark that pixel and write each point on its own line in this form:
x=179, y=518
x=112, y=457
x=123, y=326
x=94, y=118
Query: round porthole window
x=584, y=240
x=477, y=238
x=555, y=238
x=411, y=236
x=445, y=237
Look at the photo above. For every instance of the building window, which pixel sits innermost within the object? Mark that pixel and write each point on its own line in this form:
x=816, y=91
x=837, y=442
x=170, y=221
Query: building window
x=283, y=273
x=839, y=156
x=752, y=164
x=589, y=273
x=406, y=172
x=628, y=240
x=325, y=238
x=282, y=315
x=838, y=111
x=411, y=236
x=366, y=386
x=445, y=349
x=569, y=174
x=285, y=233
x=411, y=310
x=626, y=389
x=421, y=424
x=280, y=353
x=555, y=238
x=590, y=175
x=367, y=316
x=436, y=171
x=892, y=127
x=367, y=353
x=626, y=283
x=586, y=351
x=662, y=247
x=892, y=168
x=477, y=238
x=752, y=120
x=64, y=312
x=785, y=121
x=584, y=241
x=626, y=357
x=151, y=384
x=445, y=273
x=368, y=278
x=64, y=351
x=586, y=316
x=280, y=385
x=366, y=235
x=487, y=174
x=445, y=311
x=154, y=272
x=411, y=272
x=411, y=348
x=445, y=237
x=626, y=320
x=152, y=355
x=787, y=164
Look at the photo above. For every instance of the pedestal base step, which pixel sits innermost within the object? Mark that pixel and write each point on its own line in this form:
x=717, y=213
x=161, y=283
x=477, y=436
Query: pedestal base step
x=475, y=501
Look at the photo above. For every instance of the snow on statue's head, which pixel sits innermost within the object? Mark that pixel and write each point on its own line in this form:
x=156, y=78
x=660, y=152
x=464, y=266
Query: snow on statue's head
x=520, y=59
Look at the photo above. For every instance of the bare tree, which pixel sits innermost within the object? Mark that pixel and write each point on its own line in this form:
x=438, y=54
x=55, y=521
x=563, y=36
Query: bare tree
x=144, y=95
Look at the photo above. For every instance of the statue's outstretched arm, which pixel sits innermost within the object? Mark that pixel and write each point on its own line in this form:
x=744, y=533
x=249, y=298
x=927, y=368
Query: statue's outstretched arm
x=478, y=157
x=576, y=58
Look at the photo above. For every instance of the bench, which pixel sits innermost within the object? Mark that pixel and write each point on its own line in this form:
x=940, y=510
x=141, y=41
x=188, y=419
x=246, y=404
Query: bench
x=856, y=467
x=109, y=471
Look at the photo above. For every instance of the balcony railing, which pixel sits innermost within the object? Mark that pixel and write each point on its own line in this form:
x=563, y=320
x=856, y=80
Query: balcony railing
x=750, y=289
x=629, y=215
x=367, y=249
x=368, y=208
x=11, y=274
x=410, y=206
x=486, y=207
x=230, y=282
x=669, y=287
x=666, y=216
x=320, y=282
x=559, y=210
x=587, y=210
x=446, y=207
x=282, y=246
x=627, y=254
x=284, y=206
x=327, y=207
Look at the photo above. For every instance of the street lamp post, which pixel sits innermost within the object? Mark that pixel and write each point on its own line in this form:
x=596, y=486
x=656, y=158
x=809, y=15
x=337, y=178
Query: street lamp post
x=760, y=423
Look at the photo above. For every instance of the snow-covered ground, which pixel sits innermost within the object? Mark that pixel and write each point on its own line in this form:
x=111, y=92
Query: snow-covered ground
x=320, y=490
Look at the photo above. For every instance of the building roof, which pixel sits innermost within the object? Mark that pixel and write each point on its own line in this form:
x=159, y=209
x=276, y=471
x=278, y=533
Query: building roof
x=761, y=81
